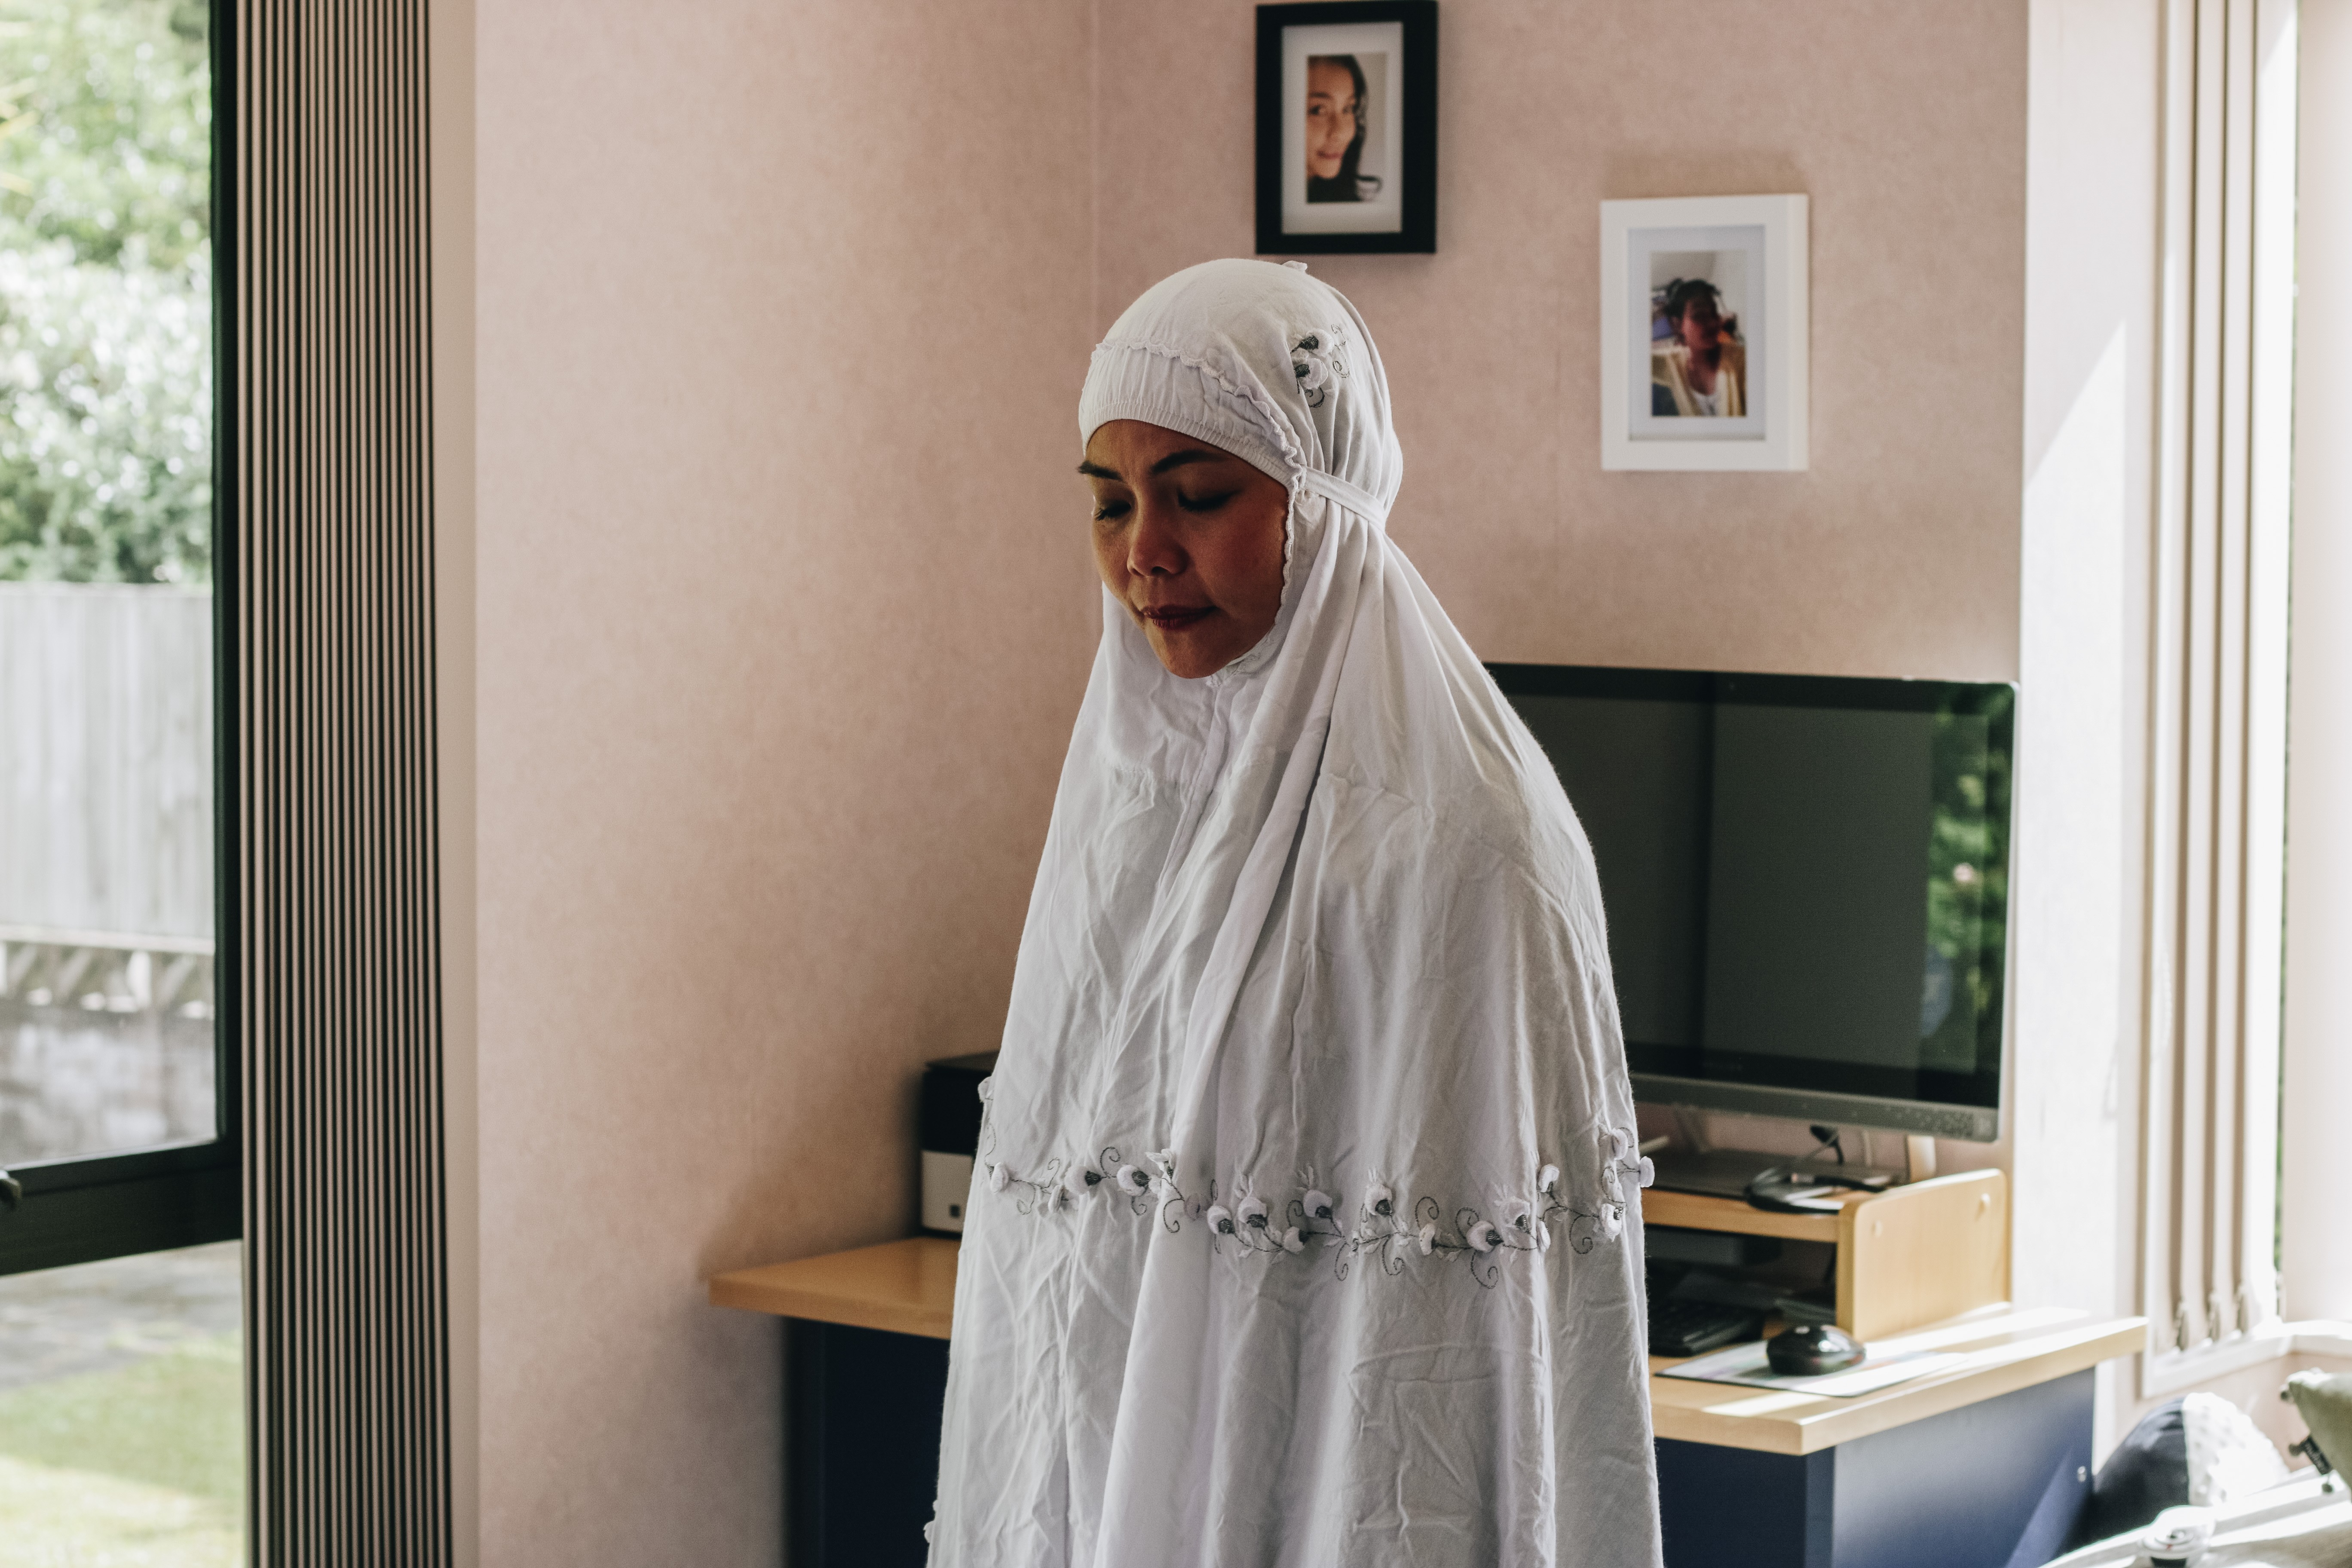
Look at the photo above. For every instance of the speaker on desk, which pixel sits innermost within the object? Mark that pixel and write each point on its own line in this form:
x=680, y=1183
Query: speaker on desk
x=949, y=1130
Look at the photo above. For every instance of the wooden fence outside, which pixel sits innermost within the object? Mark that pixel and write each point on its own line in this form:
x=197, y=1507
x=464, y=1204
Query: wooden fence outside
x=106, y=765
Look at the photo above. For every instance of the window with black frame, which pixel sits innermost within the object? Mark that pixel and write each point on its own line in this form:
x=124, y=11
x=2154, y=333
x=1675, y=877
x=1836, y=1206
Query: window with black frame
x=120, y=1389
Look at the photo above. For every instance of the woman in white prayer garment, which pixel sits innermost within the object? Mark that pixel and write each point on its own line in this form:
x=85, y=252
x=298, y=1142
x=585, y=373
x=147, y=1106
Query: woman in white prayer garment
x=1304, y=1232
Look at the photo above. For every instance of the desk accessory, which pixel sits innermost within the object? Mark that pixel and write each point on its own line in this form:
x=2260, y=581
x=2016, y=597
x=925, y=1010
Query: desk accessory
x=1707, y=1248
x=1688, y=1328
x=1917, y=1254
x=949, y=1132
x=1790, y=1190
x=1811, y=1187
x=1811, y=1350
x=1725, y=1173
x=1749, y=1366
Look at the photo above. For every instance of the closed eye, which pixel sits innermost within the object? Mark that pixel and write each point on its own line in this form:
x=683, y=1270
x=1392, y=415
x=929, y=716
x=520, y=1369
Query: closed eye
x=1207, y=502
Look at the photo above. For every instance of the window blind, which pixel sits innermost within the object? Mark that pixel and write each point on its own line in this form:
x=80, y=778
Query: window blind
x=2218, y=685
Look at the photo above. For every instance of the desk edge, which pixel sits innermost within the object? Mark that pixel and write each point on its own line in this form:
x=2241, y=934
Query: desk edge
x=1844, y=1422
x=815, y=1306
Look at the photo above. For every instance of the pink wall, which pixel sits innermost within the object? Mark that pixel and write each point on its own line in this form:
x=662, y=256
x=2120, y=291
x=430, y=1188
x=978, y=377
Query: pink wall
x=781, y=627
x=783, y=309
x=1897, y=553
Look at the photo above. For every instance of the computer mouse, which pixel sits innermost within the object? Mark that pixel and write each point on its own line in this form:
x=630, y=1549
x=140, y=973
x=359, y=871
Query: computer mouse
x=1814, y=1349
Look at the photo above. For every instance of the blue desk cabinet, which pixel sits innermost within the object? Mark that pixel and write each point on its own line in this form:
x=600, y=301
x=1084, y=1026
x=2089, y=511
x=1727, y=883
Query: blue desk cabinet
x=1996, y=1484
x=861, y=1444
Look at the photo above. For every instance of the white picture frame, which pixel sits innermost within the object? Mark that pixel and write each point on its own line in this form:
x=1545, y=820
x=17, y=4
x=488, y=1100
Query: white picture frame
x=1744, y=260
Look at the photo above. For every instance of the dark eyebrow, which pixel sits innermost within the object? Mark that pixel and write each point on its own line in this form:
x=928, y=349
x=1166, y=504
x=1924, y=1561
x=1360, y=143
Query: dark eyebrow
x=1168, y=464
x=1185, y=460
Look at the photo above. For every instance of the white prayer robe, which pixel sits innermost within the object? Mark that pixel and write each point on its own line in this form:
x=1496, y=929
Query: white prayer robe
x=1304, y=1229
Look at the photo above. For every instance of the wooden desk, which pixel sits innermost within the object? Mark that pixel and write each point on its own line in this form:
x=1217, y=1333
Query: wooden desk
x=866, y=1373
x=2006, y=1349
x=1910, y=1476
x=908, y=1288
x=902, y=1286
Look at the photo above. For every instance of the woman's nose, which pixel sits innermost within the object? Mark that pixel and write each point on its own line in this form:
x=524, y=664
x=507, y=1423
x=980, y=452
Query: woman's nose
x=1153, y=549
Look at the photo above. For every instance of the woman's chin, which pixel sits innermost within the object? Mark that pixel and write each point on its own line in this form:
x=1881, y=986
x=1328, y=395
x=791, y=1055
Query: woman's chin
x=1191, y=654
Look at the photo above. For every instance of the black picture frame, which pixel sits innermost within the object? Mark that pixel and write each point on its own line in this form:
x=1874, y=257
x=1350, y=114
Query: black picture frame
x=1415, y=91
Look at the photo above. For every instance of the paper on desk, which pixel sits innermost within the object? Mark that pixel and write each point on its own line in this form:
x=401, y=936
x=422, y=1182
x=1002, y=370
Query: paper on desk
x=1746, y=1364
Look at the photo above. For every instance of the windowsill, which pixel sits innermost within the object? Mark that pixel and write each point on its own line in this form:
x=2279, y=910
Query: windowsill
x=2183, y=1370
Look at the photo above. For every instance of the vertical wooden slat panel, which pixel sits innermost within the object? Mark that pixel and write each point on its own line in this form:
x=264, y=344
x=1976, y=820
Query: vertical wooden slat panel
x=345, y=1215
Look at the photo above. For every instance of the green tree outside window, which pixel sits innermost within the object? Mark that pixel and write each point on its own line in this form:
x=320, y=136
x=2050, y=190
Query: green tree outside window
x=106, y=378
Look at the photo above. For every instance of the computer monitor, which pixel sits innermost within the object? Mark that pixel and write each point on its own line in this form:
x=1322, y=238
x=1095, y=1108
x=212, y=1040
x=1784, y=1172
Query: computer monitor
x=1806, y=881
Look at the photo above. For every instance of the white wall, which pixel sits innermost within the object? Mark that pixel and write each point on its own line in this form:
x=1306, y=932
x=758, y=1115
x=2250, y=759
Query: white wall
x=2317, y=1078
x=2088, y=415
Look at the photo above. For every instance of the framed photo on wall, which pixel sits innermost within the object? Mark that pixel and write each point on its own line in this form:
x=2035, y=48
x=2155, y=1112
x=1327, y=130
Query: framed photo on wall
x=1704, y=333
x=1347, y=127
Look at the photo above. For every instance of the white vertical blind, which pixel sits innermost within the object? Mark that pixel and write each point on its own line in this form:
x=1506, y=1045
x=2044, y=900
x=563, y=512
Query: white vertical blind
x=2218, y=675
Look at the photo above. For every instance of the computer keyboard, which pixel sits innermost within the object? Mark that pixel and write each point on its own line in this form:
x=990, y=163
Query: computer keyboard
x=1691, y=1328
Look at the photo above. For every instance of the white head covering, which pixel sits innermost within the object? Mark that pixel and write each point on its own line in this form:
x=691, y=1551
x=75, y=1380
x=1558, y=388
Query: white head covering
x=1302, y=1231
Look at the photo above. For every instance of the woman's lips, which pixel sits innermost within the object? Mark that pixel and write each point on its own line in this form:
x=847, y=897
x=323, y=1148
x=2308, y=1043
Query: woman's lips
x=1175, y=617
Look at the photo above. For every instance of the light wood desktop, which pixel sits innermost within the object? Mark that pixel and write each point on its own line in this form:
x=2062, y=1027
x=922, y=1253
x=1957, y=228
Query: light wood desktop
x=903, y=1286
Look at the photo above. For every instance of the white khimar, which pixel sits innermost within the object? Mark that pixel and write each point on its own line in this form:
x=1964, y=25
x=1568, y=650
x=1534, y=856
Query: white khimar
x=1304, y=1228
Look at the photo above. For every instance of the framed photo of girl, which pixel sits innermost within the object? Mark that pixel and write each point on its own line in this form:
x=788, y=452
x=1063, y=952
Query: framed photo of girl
x=1347, y=127
x=1704, y=333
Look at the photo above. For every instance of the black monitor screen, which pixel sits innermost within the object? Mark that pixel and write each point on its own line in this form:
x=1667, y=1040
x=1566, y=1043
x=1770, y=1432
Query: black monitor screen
x=1805, y=878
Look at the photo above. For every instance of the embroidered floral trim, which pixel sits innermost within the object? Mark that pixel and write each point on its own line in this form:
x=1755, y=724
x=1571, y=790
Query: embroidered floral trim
x=1247, y=1221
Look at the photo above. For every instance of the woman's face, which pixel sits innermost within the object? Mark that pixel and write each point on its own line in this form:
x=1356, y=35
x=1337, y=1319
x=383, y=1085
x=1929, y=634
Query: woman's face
x=1189, y=538
x=1330, y=116
x=1702, y=325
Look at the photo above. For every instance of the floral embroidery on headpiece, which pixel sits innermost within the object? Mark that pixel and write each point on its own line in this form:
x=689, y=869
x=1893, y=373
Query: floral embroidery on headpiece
x=1317, y=361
